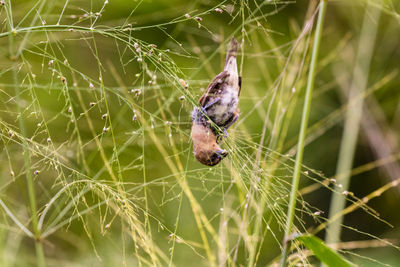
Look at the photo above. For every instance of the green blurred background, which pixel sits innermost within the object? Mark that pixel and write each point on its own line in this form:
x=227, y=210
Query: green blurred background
x=124, y=189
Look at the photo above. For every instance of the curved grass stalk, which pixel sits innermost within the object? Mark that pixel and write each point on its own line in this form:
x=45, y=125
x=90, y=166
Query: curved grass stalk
x=302, y=135
x=16, y=221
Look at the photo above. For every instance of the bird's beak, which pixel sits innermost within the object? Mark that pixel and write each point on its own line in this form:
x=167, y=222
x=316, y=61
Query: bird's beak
x=222, y=153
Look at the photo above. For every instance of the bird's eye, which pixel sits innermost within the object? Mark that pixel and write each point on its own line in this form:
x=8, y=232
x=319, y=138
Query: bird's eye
x=215, y=158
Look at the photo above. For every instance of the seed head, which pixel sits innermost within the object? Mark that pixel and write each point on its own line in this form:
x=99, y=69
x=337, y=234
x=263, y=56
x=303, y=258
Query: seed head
x=183, y=83
x=136, y=92
x=230, y=8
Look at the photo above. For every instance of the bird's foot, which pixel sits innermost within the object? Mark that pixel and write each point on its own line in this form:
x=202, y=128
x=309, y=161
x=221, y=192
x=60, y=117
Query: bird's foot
x=225, y=133
x=235, y=118
x=210, y=104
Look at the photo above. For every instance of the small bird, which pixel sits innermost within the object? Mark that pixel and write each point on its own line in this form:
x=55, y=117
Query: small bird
x=220, y=105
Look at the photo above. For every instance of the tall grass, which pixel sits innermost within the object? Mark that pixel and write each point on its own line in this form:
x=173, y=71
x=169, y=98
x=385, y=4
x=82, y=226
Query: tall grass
x=26, y=153
x=302, y=134
x=353, y=117
x=96, y=166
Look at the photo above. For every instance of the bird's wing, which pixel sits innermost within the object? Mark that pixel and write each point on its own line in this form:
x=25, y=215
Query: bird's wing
x=213, y=87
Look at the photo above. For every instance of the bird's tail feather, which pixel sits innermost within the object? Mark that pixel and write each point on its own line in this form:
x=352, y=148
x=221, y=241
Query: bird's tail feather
x=232, y=49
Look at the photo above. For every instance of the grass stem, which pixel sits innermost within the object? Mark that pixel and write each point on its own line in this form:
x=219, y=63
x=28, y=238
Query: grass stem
x=302, y=134
x=353, y=118
x=27, y=158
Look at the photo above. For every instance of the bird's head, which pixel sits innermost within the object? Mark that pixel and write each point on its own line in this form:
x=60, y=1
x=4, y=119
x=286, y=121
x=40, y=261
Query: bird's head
x=205, y=146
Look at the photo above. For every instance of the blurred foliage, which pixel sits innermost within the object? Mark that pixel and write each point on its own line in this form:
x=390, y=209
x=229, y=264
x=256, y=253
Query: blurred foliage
x=98, y=88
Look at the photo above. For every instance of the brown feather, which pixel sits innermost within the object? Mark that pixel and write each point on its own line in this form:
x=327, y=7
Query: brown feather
x=213, y=87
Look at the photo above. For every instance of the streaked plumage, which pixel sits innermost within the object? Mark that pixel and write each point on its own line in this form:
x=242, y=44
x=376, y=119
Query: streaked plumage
x=220, y=104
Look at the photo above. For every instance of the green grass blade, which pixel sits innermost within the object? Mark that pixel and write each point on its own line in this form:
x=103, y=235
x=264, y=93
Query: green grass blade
x=324, y=253
x=302, y=134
